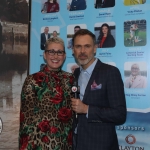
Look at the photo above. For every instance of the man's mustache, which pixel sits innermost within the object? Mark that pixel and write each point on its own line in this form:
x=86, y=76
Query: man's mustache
x=82, y=54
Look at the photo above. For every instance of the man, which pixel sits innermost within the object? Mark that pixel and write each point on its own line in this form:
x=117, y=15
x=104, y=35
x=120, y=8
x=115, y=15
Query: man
x=44, y=36
x=132, y=34
x=76, y=28
x=135, y=80
x=101, y=103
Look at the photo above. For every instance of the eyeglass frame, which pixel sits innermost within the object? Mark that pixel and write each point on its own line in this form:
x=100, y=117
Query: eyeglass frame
x=53, y=52
x=133, y=68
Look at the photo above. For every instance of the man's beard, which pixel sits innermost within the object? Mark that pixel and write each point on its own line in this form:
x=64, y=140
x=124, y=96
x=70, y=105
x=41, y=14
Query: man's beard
x=84, y=61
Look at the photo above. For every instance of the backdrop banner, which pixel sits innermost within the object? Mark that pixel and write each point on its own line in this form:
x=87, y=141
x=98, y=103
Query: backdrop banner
x=130, y=50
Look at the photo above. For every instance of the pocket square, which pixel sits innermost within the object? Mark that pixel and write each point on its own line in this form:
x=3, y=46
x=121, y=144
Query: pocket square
x=95, y=86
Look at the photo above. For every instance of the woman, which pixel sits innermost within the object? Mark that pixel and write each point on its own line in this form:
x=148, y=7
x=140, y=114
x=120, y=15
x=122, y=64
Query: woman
x=105, y=38
x=46, y=115
x=50, y=6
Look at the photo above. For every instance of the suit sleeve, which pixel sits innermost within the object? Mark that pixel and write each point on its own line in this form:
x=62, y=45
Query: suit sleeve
x=115, y=112
x=42, y=40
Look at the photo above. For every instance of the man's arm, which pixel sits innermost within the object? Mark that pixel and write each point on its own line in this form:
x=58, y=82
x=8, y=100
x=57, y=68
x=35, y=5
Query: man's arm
x=78, y=106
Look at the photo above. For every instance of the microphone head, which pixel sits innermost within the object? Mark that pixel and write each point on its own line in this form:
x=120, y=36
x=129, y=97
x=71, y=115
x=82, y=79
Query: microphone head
x=74, y=89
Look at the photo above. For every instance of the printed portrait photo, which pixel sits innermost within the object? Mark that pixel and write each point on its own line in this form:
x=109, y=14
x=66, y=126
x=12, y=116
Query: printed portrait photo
x=74, y=5
x=104, y=3
x=48, y=32
x=134, y=2
x=105, y=33
x=135, y=75
x=71, y=67
x=135, y=33
x=71, y=30
x=50, y=6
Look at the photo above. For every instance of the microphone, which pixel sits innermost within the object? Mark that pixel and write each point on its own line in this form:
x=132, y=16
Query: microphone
x=74, y=90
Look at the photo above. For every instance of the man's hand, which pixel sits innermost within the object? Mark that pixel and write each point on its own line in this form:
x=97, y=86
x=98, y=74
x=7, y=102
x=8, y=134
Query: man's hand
x=78, y=106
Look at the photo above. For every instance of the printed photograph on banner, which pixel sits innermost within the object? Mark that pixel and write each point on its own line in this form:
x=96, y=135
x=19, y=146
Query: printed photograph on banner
x=74, y=5
x=71, y=67
x=50, y=6
x=48, y=32
x=104, y=3
x=71, y=30
x=111, y=63
x=105, y=33
x=135, y=75
x=133, y=2
x=135, y=33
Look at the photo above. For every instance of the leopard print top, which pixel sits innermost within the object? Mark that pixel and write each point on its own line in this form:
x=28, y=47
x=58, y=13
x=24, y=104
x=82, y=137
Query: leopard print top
x=45, y=114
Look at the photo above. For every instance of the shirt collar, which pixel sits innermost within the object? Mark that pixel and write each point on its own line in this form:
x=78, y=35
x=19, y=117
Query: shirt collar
x=90, y=69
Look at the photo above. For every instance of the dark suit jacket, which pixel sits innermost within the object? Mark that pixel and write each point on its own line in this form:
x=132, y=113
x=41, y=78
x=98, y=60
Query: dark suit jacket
x=109, y=3
x=77, y=5
x=43, y=40
x=109, y=41
x=107, y=108
x=98, y=3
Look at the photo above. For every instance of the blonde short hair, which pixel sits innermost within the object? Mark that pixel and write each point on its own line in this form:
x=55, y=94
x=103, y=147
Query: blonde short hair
x=57, y=40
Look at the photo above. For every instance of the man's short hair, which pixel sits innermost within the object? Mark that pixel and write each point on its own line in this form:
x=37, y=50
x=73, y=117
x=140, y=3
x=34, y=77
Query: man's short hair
x=46, y=27
x=57, y=40
x=84, y=32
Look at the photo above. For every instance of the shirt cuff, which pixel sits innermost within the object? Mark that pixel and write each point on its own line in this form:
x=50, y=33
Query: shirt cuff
x=87, y=112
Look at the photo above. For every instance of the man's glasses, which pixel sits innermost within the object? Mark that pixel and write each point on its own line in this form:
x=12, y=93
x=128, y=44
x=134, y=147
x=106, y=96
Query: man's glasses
x=132, y=68
x=52, y=52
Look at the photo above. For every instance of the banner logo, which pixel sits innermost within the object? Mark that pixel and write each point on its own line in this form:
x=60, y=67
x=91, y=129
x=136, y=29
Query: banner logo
x=130, y=139
x=74, y=89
